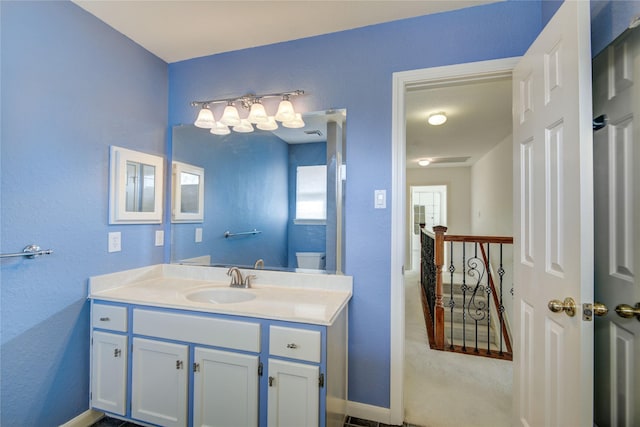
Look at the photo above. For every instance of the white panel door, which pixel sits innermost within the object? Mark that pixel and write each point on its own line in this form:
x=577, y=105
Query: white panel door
x=553, y=218
x=159, y=382
x=294, y=393
x=225, y=389
x=616, y=93
x=109, y=372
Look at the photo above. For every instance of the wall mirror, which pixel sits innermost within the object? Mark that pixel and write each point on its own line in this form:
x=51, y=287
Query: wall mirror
x=250, y=196
x=188, y=193
x=135, y=187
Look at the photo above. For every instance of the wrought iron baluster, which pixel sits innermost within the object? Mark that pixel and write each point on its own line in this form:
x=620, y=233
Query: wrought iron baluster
x=452, y=303
x=464, y=296
x=501, y=308
x=488, y=269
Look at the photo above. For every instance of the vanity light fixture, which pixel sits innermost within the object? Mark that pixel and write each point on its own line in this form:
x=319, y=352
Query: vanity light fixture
x=270, y=124
x=424, y=162
x=205, y=118
x=437, y=119
x=257, y=113
x=295, y=123
x=220, y=129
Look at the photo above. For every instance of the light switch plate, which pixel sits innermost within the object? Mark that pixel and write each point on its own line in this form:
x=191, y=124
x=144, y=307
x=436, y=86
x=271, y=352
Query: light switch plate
x=380, y=199
x=198, y=234
x=115, y=241
x=159, y=237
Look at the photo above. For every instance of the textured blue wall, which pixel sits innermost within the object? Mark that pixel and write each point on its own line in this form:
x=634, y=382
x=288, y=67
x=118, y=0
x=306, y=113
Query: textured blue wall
x=304, y=238
x=71, y=86
x=246, y=187
x=353, y=70
x=609, y=19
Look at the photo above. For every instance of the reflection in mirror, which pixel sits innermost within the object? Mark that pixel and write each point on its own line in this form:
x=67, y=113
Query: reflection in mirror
x=135, y=187
x=140, y=187
x=251, y=196
x=188, y=193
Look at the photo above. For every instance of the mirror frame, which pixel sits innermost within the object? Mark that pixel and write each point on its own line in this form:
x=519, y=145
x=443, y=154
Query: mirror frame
x=118, y=158
x=176, y=214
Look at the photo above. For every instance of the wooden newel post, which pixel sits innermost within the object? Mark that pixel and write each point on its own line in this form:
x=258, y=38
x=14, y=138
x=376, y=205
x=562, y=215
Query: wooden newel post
x=438, y=250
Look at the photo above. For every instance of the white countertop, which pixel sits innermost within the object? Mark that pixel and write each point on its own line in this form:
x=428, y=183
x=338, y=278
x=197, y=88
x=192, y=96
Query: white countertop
x=296, y=297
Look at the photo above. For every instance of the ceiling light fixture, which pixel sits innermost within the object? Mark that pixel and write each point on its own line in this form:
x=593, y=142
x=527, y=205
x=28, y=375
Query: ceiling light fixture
x=257, y=113
x=437, y=119
x=424, y=162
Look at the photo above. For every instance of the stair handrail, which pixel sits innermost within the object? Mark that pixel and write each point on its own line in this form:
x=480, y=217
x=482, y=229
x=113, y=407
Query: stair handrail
x=494, y=294
x=440, y=238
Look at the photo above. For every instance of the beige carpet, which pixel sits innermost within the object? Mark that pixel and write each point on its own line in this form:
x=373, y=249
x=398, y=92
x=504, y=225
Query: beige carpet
x=443, y=389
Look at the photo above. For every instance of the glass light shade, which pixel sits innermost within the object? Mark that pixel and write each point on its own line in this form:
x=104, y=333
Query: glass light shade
x=244, y=126
x=230, y=116
x=257, y=113
x=295, y=123
x=268, y=125
x=220, y=129
x=424, y=162
x=437, y=119
x=285, y=112
x=205, y=119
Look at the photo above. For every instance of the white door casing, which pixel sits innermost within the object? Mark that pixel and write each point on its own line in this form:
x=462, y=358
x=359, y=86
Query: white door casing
x=616, y=93
x=553, y=223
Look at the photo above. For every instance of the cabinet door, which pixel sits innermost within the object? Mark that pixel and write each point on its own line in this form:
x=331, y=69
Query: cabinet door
x=159, y=382
x=109, y=372
x=225, y=389
x=294, y=394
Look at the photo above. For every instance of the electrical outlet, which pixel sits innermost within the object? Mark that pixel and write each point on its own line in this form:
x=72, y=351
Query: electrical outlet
x=159, y=237
x=198, y=234
x=115, y=241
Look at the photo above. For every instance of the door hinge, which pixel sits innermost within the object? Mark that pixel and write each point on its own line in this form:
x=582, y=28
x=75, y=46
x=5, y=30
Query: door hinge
x=260, y=368
x=196, y=367
x=321, y=381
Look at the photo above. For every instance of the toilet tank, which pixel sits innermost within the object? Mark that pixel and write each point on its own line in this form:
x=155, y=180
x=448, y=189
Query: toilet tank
x=311, y=260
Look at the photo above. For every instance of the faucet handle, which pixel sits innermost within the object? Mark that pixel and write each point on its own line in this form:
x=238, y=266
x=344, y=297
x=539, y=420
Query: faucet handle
x=247, y=280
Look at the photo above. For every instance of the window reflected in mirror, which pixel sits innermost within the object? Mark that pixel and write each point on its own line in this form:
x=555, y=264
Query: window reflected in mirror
x=188, y=193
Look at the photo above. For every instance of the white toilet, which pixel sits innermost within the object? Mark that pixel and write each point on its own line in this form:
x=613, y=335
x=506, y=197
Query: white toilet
x=311, y=260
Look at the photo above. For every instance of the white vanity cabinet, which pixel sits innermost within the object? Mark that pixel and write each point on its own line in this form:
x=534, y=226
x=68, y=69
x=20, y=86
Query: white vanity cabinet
x=184, y=368
x=159, y=382
x=109, y=358
x=225, y=388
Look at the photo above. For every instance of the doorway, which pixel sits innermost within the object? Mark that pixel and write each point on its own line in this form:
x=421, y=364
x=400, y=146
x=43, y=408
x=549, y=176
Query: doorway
x=401, y=81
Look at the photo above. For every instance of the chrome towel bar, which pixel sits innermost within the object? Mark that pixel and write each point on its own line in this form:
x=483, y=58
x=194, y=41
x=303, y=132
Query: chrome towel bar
x=29, y=251
x=228, y=234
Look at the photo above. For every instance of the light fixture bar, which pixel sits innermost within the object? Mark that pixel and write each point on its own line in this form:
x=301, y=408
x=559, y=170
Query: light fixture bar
x=248, y=99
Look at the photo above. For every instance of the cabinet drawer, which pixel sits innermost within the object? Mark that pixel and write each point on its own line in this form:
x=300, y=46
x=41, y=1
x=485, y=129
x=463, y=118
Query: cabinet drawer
x=109, y=317
x=295, y=343
x=198, y=329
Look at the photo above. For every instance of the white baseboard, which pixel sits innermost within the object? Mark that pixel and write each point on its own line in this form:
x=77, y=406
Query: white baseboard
x=369, y=412
x=85, y=419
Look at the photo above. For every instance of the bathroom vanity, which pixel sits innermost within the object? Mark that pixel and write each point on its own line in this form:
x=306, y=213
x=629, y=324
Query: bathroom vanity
x=174, y=345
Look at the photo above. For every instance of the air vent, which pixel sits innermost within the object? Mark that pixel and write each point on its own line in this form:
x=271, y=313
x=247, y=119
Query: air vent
x=439, y=160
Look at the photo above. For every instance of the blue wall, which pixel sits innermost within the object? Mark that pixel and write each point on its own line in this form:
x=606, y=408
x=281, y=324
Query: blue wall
x=246, y=187
x=353, y=70
x=96, y=88
x=609, y=19
x=71, y=86
x=304, y=238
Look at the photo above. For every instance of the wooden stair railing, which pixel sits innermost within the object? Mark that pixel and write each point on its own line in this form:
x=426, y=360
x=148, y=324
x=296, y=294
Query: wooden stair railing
x=434, y=306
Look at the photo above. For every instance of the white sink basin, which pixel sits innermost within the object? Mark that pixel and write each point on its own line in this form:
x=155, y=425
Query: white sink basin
x=221, y=295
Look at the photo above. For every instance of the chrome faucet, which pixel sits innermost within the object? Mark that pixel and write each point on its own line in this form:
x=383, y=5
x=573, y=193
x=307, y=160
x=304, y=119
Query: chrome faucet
x=236, y=278
x=259, y=264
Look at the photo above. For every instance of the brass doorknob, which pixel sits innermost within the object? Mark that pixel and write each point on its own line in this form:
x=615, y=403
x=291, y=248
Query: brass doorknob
x=628, y=312
x=599, y=309
x=568, y=306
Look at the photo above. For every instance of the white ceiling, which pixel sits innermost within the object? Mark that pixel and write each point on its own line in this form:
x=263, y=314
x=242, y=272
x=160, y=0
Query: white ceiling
x=176, y=30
